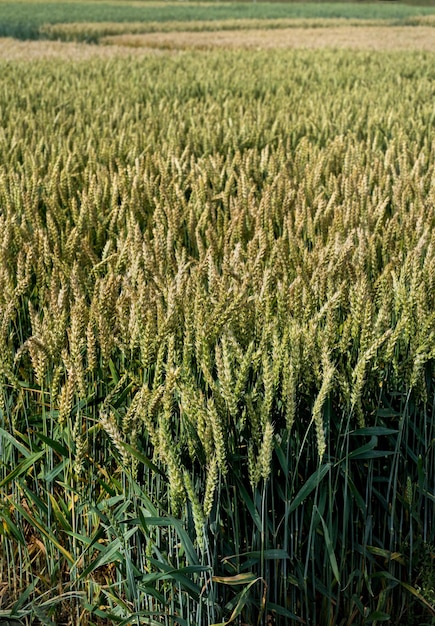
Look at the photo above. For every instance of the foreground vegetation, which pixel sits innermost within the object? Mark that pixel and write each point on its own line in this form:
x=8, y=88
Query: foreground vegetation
x=217, y=339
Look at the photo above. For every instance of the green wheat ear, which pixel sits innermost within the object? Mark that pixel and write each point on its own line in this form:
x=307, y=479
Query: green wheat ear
x=317, y=416
x=211, y=486
x=265, y=454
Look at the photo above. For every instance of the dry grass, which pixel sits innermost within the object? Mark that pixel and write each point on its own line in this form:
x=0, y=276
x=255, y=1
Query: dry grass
x=345, y=37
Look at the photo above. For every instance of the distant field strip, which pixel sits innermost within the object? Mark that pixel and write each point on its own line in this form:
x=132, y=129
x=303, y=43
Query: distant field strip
x=93, y=31
x=29, y=19
x=354, y=37
x=16, y=50
x=345, y=37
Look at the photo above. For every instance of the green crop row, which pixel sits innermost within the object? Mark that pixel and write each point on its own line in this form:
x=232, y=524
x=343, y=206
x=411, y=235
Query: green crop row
x=217, y=339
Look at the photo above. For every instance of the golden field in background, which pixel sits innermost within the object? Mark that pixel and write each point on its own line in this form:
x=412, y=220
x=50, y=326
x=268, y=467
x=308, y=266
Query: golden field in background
x=118, y=40
x=339, y=37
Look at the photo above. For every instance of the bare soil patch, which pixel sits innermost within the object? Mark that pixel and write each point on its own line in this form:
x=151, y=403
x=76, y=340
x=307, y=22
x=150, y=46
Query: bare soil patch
x=351, y=37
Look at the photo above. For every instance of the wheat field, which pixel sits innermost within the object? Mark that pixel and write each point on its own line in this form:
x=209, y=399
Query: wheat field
x=353, y=37
x=217, y=337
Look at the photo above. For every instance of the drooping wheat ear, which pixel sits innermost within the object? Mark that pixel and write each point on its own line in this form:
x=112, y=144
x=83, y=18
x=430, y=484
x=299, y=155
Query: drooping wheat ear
x=205, y=433
x=254, y=468
x=105, y=295
x=203, y=352
x=210, y=485
x=191, y=404
x=110, y=427
x=3, y=390
x=77, y=343
x=38, y=356
x=289, y=393
x=408, y=495
x=148, y=406
x=367, y=327
x=359, y=375
x=168, y=446
x=265, y=454
x=277, y=359
x=131, y=418
x=66, y=399
x=80, y=443
x=133, y=460
x=243, y=373
x=392, y=346
x=159, y=365
x=269, y=388
x=225, y=375
x=91, y=343
x=168, y=396
x=23, y=274
x=169, y=454
x=147, y=340
x=218, y=436
x=197, y=512
x=325, y=389
x=416, y=380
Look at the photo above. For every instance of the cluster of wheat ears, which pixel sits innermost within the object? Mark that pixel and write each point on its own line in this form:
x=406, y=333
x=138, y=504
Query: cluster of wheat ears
x=217, y=324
